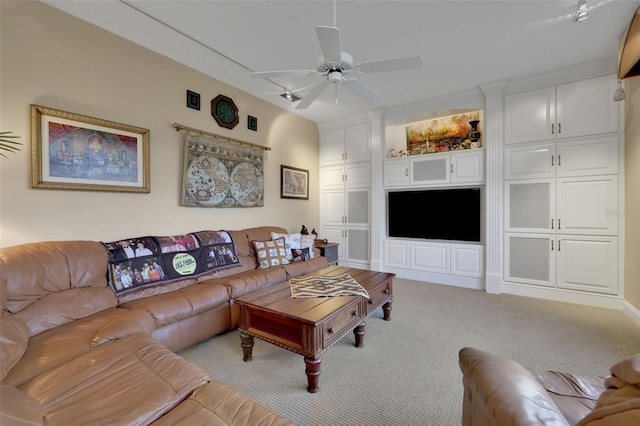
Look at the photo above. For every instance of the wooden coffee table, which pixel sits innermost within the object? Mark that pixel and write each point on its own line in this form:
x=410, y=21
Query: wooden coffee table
x=311, y=326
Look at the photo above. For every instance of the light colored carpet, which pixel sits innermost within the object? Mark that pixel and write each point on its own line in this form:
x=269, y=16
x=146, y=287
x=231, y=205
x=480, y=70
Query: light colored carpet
x=407, y=373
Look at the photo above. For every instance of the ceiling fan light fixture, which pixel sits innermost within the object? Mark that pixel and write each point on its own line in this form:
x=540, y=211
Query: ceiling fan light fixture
x=582, y=13
x=290, y=96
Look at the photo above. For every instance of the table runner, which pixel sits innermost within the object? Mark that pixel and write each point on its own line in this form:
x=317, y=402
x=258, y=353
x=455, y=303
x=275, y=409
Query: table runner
x=325, y=286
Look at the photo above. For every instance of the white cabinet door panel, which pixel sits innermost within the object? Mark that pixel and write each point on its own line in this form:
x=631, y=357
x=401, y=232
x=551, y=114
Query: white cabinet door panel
x=333, y=207
x=588, y=264
x=467, y=260
x=586, y=205
x=584, y=158
x=529, y=115
x=396, y=172
x=467, y=167
x=430, y=257
x=396, y=254
x=358, y=175
x=586, y=107
x=332, y=177
x=529, y=162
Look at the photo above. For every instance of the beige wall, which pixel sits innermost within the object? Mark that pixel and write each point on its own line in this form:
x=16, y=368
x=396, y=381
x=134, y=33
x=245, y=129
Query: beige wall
x=632, y=192
x=52, y=59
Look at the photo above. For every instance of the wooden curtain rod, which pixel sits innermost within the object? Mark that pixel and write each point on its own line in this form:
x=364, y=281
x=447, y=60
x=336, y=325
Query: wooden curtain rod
x=179, y=127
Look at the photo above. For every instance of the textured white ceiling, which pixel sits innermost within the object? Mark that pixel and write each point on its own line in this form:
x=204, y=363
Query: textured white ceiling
x=463, y=43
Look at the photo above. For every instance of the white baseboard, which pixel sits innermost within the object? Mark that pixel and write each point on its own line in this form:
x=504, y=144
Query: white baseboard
x=452, y=280
x=560, y=295
x=630, y=310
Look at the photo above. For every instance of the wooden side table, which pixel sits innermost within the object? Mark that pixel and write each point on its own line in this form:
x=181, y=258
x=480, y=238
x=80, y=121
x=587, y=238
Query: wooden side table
x=330, y=251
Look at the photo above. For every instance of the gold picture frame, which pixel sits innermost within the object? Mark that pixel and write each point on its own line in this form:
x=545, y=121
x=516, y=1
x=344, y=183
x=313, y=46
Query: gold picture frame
x=77, y=152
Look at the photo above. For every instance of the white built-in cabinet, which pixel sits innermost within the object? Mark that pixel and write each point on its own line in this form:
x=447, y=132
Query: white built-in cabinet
x=345, y=192
x=446, y=262
x=561, y=187
x=454, y=168
x=580, y=108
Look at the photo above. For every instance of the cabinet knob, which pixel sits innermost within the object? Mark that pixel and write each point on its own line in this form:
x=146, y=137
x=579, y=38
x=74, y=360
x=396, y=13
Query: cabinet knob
x=559, y=128
x=370, y=302
x=386, y=291
x=553, y=128
x=354, y=313
x=331, y=330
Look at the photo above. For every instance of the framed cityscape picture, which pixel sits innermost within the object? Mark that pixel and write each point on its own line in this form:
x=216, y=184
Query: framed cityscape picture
x=77, y=152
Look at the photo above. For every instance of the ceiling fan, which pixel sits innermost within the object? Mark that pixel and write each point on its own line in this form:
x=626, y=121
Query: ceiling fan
x=335, y=66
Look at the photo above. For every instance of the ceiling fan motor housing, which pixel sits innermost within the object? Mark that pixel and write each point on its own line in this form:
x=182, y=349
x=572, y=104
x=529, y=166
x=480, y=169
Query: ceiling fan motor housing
x=346, y=64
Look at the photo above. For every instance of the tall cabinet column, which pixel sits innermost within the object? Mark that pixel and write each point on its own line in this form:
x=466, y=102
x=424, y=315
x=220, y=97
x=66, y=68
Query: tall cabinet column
x=377, y=194
x=493, y=139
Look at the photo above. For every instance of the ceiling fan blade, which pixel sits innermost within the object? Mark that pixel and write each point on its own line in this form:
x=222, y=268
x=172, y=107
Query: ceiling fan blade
x=397, y=64
x=312, y=95
x=329, y=38
x=268, y=74
x=367, y=94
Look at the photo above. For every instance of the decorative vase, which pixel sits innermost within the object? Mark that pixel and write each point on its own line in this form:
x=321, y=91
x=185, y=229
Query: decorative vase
x=475, y=134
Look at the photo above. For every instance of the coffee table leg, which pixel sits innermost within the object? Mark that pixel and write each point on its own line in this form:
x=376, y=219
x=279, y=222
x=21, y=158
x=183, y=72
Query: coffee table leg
x=386, y=308
x=247, y=346
x=313, y=373
x=359, y=334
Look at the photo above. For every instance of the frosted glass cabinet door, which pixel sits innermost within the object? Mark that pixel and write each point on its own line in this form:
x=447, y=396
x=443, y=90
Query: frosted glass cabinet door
x=434, y=170
x=358, y=207
x=357, y=242
x=529, y=259
x=530, y=205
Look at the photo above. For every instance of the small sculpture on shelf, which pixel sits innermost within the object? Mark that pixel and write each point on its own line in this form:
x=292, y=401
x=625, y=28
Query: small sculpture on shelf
x=304, y=230
x=314, y=233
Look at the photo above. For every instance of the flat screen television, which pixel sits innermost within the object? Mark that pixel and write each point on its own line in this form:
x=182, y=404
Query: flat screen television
x=438, y=214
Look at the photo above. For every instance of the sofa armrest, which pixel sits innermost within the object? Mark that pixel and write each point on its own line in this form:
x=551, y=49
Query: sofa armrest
x=499, y=391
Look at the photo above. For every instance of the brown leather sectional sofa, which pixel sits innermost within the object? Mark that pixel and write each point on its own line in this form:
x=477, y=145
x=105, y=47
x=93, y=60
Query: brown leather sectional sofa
x=74, y=353
x=500, y=391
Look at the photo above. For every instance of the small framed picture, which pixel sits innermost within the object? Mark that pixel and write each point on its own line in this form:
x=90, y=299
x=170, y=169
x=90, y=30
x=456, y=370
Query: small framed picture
x=294, y=183
x=252, y=123
x=193, y=100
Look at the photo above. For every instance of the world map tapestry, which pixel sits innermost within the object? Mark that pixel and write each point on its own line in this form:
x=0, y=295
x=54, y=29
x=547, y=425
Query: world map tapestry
x=218, y=173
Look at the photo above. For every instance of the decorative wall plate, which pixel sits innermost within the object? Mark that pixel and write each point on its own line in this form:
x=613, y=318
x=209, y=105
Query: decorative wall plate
x=224, y=111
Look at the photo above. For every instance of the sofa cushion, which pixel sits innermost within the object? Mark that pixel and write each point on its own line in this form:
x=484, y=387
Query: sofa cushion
x=18, y=408
x=14, y=338
x=219, y=404
x=297, y=269
x=130, y=381
x=171, y=307
x=135, y=321
x=250, y=281
x=58, y=345
x=270, y=253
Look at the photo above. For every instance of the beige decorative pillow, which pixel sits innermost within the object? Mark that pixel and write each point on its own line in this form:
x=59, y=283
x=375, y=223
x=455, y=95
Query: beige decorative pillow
x=270, y=253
